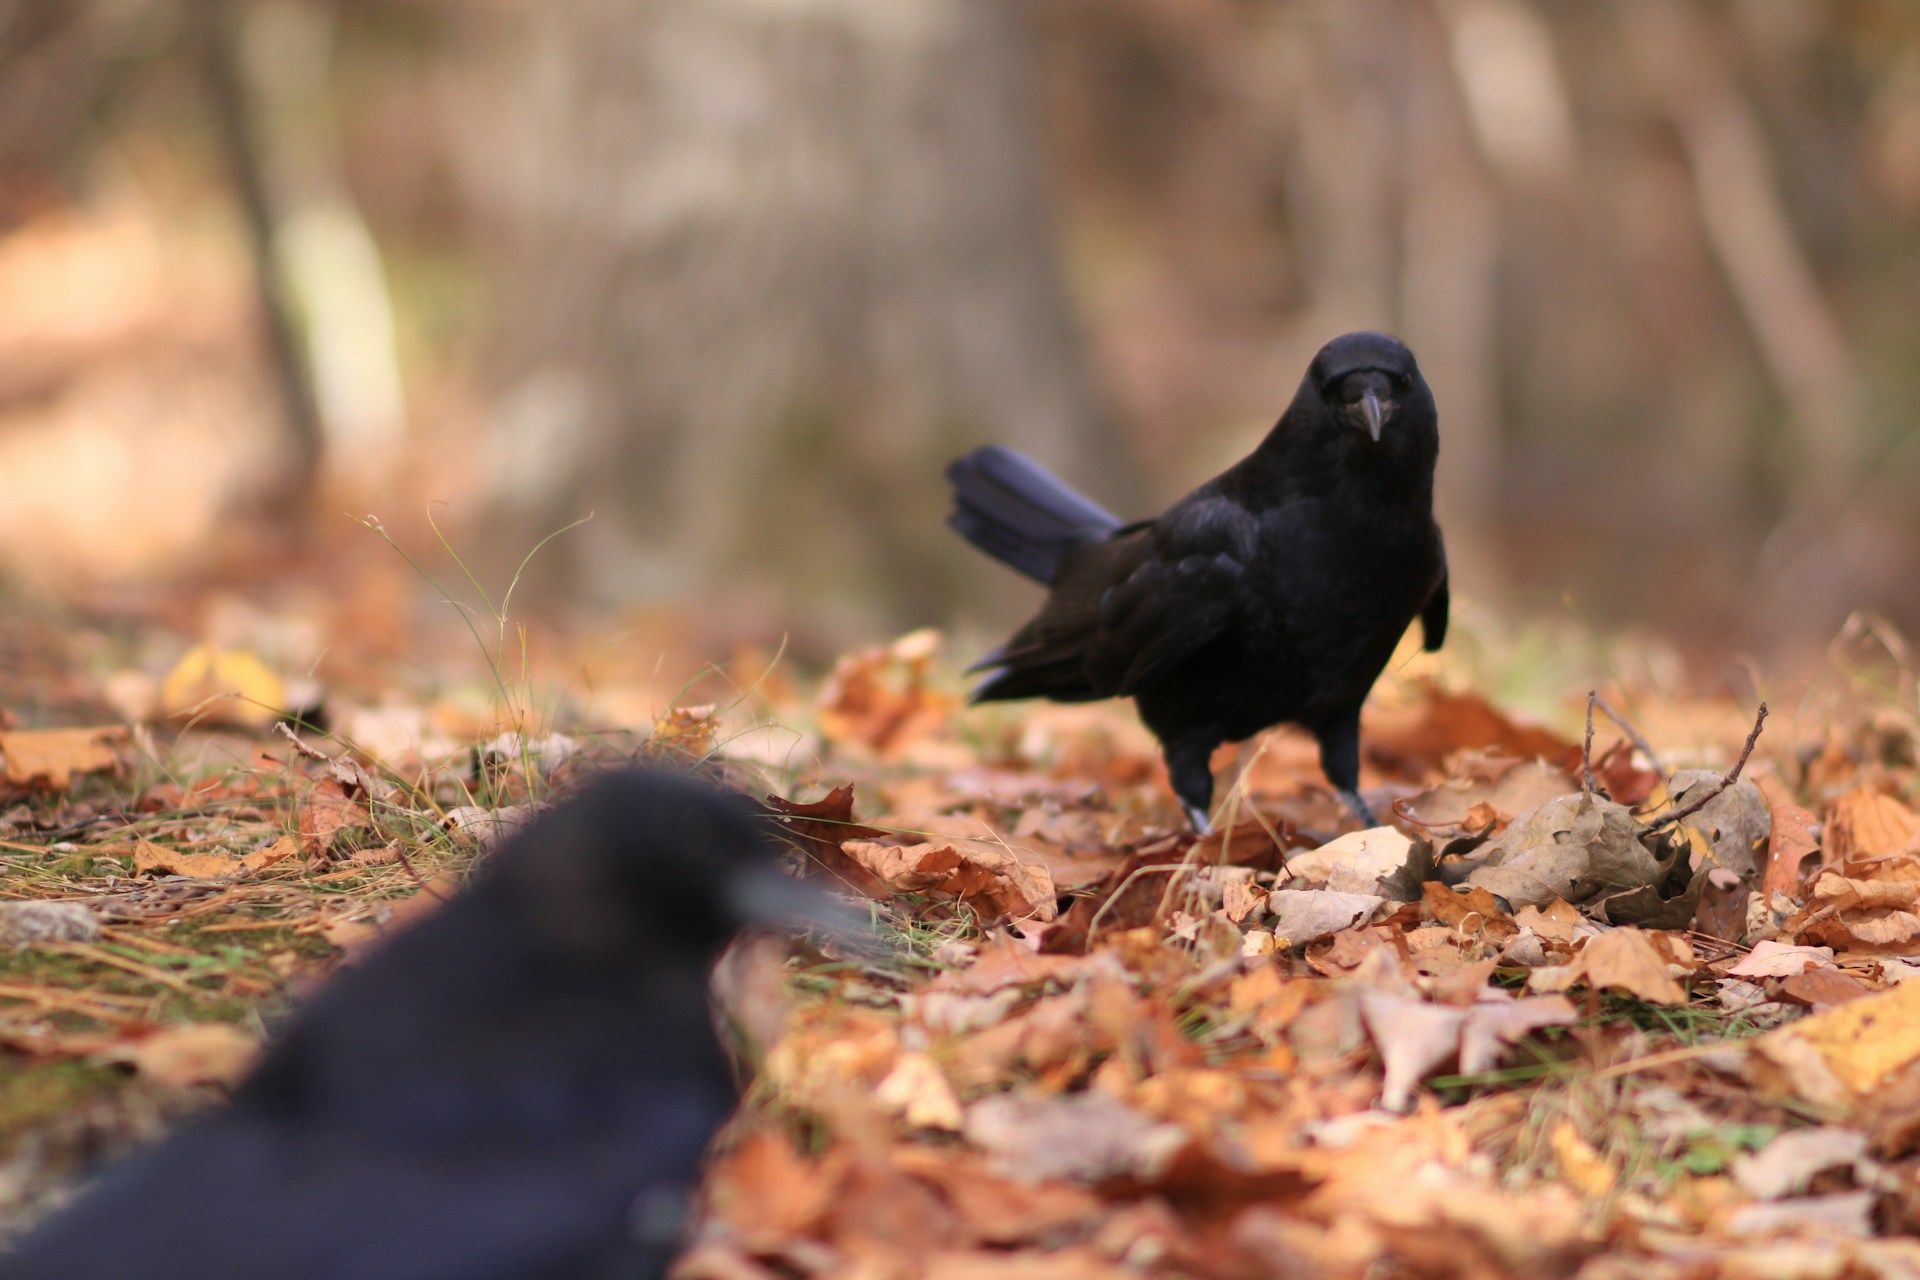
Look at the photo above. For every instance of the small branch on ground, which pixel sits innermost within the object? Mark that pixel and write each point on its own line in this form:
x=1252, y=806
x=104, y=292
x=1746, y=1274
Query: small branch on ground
x=1587, y=783
x=1732, y=776
x=1633, y=735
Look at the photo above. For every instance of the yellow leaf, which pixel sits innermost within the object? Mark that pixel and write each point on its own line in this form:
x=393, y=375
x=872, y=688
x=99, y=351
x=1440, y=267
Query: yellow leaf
x=1586, y=1169
x=223, y=686
x=1860, y=1043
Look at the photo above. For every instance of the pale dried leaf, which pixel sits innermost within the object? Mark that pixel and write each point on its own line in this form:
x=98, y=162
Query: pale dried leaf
x=1352, y=863
x=27, y=924
x=194, y=1054
x=1770, y=959
x=1787, y=1165
x=1301, y=916
x=49, y=758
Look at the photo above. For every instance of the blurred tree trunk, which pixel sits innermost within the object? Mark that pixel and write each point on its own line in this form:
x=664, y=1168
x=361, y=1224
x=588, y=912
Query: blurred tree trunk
x=771, y=266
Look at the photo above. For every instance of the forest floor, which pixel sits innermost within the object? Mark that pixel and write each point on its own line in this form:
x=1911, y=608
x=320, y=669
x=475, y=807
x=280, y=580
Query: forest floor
x=1534, y=1027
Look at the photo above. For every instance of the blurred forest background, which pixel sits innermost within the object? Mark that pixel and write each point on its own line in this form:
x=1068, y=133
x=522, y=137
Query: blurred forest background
x=738, y=277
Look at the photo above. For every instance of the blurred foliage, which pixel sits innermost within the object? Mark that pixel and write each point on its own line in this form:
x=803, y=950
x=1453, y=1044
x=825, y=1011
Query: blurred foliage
x=1657, y=258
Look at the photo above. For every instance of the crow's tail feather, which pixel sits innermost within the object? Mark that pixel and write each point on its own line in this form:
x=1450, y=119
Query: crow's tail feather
x=1020, y=513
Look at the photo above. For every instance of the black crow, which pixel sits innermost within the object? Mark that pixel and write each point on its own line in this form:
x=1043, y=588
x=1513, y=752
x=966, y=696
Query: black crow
x=521, y=1084
x=1273, y=593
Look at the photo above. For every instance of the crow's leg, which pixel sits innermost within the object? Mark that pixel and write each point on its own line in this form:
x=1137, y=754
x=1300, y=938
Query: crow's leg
x=1340, y=760
x=1190, y=767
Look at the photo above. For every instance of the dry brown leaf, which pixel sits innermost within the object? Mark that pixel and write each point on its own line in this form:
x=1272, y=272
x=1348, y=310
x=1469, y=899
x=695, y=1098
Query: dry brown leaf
x=326, y=811
x=989, y=879
x=193, y=1054
x=1770, y=959
x=917, y=1091
x=1865, y=823
x=1089, y=1137
x=1301, y=916
x=818, y=828
x=1789, y=847
x=150, y=858
x=1352, y=863
x=48, y=759
x=1623, y=959
x=882, y=699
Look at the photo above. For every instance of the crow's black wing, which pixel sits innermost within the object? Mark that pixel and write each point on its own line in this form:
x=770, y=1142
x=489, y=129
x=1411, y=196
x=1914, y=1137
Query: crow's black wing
x=1179, y=597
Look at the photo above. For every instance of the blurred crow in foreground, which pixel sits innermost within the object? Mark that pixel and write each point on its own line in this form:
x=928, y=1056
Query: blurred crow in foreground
x=1275, y=592
x=522, y=1084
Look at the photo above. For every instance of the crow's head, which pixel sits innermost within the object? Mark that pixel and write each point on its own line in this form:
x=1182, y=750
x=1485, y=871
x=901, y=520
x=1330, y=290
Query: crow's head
x=652, y=861
x=1369, y=380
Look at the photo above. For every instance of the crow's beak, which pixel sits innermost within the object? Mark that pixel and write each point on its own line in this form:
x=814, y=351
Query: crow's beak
x=1374, y=412
x=769, y=899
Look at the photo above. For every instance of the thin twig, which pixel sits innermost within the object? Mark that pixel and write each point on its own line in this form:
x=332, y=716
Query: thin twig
x=1587, y=783
x=1732, y=776
x=1633, y=735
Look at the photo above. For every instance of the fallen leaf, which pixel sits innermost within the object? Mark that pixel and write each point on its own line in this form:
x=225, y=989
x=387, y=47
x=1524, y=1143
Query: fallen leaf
x=150, y=858
x=1575, y=847
x=990, y=880
x=1354, y=863
x=325, y=811
x=883, y=700
x=1590, y=1173
x=1791, y=844
x=1622, y=959
x=917, y=1091
x=1845, y=1053
x=1415, y=1037
x=223, y=687
x=1787, y=1165
x=1848, y=1213
x=1865, y=823
x=1301, y=916
x=1090, y=1137
x=29, y=923
x=484, y=828
x=1495, y=790
x=818, y=827
x=192, y=1054
x=1736, y=824
x=1770, y=959
x=48, y=759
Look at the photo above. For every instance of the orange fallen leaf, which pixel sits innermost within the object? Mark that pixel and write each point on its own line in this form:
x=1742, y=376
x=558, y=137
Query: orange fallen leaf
x=1624, y=959
x=48, y=759
x=991, y=880
x=1870, y=824
x=194, y=1054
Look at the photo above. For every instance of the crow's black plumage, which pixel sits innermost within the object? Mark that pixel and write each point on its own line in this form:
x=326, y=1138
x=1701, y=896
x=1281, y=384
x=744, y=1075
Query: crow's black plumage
x=1273, y=593
x=520, y=1085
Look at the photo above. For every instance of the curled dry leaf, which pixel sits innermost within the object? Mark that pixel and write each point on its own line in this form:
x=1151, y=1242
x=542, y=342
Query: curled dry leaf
x=1354, y=863
x=1735, y=824
x=882, y=700
x=1770, y=959
x=1623, y=959
x=1301, y=916
x=1863, y=904
x=48, y=759
x=991, y=880
x=1791, y=843
x=1865, y=823
x=919, y=1093
x=488, y=827
x=818, y=828
x=1575, y=847
x=151, y=859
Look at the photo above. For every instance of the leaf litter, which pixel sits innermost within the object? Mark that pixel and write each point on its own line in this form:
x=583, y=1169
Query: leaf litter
x=1531, y=1027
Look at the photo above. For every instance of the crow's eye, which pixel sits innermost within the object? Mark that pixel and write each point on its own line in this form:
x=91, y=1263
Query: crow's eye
x=1401, y=382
